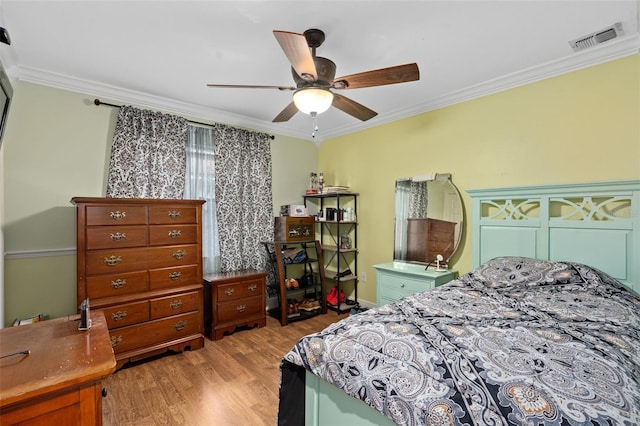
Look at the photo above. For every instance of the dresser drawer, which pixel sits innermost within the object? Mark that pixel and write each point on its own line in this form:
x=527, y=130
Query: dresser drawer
x=128, y=314
x=116, y=237
x=173, y=277
x=391, y=294
x=116, y=215
x=176, y=304
x=154, y=332
x=172, y=214
x=236, y=310
x=117, y=285
x=134, y=259
x=252, y=288
x=173, y=234
x=405, y=283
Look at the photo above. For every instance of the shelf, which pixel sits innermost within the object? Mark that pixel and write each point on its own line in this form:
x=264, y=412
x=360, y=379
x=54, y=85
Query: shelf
x=281, y=274
x=303, y=315
x=331, y=195
x=343, y=308
x=329, y=247
x=332, y=235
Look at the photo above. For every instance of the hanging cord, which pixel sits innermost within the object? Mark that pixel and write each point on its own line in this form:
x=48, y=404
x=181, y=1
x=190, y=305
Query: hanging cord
x=314, y=116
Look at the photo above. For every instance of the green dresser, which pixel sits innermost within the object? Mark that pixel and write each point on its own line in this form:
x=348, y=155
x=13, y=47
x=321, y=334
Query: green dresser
x=396, y=280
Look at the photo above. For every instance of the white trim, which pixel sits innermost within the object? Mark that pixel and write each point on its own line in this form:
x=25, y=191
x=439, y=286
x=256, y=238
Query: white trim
x=602, y=53
x=39, y=253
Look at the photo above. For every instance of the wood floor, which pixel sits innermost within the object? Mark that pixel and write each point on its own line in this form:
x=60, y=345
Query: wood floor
x=231, y=381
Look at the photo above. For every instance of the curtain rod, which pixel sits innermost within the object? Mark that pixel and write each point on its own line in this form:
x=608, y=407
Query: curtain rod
x=98, y=102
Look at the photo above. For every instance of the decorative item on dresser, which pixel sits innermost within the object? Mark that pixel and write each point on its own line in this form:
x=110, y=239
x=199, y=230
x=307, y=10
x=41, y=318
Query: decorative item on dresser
x=232, y=300
x=52, y=373
x=140, y=260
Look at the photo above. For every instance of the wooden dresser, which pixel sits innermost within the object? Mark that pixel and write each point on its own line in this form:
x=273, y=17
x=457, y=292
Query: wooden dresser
x=59, y=382
x=140, y=260
x=234, y=299
x=426, y=238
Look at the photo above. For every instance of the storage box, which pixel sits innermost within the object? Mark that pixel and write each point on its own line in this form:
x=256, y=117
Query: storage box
x=292, y=229
x=296, y=210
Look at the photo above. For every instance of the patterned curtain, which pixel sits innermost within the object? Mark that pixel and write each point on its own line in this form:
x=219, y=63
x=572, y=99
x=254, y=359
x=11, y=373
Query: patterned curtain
x=418, y=200
x=200, y=185
x=147, y=155
x=243, y=197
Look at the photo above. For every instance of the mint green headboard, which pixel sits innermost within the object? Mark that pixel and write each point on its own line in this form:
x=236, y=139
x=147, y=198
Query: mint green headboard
x=597, y=224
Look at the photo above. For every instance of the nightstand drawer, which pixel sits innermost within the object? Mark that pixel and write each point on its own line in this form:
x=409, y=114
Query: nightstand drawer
x=239, y=309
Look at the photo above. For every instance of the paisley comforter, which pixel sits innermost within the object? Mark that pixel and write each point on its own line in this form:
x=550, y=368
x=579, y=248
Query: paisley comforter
x=517, y=341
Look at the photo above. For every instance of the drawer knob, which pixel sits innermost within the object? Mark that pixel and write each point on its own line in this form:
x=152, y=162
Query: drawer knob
x=174, y=276
x=118, y=283
x=112, y=260
x=252, y=287
x=180, y=325
x=118, y=316
x=118, y=236
x=115, y=340
x=175, y=234
x=241, y=308
x=174, y=214
x=175, y=304
x=229, y=291
x=117, y=215
x=179, y=254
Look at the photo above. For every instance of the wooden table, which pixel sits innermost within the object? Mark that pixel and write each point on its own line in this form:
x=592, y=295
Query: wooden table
x=60, y=380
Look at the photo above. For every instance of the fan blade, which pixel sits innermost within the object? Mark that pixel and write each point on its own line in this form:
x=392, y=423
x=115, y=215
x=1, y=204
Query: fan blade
x=380, y=77
x=297, y=50
x=288, y=112
x=250, y=86
x=353, y=108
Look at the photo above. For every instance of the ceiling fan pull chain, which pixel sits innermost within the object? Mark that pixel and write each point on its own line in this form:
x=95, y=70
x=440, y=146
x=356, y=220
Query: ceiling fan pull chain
x=314, y=116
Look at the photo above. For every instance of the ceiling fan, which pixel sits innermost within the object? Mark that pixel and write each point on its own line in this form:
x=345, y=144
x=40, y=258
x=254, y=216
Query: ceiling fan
x=314, y=78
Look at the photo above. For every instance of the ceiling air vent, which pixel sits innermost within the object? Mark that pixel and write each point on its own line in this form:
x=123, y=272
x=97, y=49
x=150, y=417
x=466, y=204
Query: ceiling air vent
x=598, y=37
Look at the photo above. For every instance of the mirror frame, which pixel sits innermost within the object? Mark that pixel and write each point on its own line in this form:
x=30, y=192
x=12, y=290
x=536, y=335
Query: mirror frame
x=455, y=214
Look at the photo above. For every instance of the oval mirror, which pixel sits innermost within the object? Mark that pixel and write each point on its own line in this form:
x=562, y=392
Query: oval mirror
x=428, y=215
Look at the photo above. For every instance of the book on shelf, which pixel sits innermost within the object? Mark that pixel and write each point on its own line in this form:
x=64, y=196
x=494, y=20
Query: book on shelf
x=335, y=189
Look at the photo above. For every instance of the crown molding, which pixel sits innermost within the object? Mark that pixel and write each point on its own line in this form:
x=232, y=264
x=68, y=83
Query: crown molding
x=599, y=54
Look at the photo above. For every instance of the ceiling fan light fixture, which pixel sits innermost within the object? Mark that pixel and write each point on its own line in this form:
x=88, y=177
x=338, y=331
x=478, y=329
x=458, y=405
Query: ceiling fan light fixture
x=312, y=99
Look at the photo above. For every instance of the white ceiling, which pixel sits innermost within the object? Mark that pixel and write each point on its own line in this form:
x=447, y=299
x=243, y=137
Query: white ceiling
x=161, y=54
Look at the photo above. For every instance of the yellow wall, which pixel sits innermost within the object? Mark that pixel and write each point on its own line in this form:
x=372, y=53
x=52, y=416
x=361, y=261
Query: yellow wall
x=57, y=146
x=577, y=127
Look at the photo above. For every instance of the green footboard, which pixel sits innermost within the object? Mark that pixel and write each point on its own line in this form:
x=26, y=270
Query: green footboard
x=326, y=405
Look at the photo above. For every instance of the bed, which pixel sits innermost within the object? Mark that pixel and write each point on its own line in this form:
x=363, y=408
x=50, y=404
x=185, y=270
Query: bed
x=544, y=331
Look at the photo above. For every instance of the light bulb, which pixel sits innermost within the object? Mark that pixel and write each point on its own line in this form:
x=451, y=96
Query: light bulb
x=312, y=99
